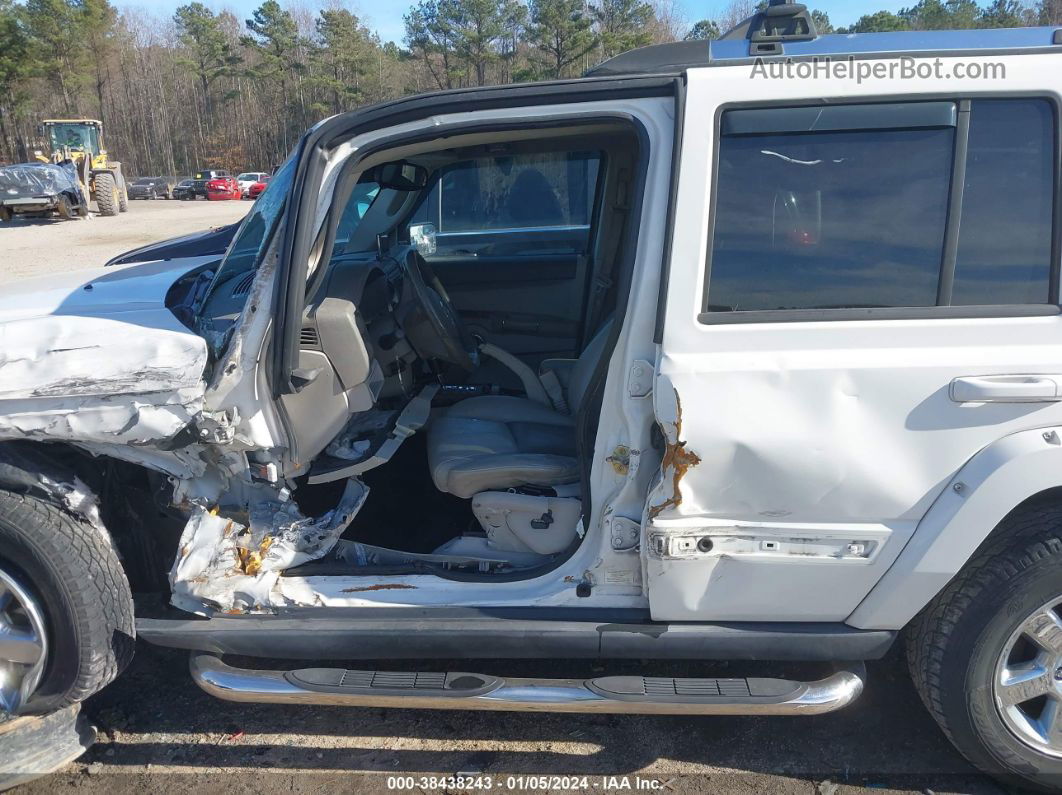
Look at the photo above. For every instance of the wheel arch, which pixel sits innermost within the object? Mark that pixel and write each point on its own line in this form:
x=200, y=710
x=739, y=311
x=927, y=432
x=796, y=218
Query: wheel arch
x=1003, y=476
x=125, y=500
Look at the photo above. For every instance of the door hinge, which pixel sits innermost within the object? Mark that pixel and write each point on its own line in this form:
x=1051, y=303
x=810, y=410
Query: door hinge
x=217, y=427
x=640, y=379
x=625, y=533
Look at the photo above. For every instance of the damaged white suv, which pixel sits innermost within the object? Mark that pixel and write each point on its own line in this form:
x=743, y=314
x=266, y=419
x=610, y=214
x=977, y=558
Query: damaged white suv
x=670, y=362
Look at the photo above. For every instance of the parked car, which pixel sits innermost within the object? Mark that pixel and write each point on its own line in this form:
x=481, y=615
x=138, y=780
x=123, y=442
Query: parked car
x=222, y=188
x=256, y=189
x=152, y=188
x=185, y=189
x=247, y=179
x=201, y=178
x=668, y=364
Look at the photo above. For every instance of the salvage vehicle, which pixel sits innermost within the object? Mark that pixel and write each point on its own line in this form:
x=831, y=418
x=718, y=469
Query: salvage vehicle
x=247, y=179
x=37, y=190
x=258, y=187
x=222, y=189
x=201, y=179
x=662, y=363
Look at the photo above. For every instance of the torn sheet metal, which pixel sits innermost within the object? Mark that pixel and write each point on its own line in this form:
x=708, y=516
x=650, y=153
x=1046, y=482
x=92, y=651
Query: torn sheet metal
x=98, y=360
x=677, y=459
x=227, y=566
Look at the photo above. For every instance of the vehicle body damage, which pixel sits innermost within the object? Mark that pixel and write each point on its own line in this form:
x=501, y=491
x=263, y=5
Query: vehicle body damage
x=541, y=371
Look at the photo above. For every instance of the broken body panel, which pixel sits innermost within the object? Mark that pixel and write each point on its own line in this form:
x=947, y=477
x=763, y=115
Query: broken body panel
x=736, y=470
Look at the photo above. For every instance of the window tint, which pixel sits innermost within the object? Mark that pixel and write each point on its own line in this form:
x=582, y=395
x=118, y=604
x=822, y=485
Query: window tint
x=857, y=218
x=830, y=220
x=1004, y=254
x=513, y=192
x=361, y=199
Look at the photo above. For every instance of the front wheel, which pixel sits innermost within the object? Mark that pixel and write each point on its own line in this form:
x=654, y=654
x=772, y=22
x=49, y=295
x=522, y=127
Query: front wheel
x=66, y=613
x=106, y=194
x=986, y=653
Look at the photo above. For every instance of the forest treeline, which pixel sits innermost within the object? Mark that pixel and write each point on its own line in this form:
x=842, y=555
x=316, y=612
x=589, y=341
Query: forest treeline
x=206, y=88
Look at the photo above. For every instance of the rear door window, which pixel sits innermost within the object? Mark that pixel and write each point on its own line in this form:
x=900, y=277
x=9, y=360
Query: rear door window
x=855, y=214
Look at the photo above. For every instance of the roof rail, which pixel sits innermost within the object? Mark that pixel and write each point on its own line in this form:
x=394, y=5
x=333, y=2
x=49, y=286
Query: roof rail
x=780, y=21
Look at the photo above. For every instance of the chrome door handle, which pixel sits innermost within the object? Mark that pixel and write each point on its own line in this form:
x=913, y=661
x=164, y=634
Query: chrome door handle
x=1006, y=389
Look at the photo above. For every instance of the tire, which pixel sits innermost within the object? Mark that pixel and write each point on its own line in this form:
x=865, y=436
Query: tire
x=123, y=198
x=5, y=214
x=70, y=568
x=107, y=194
x=66, y=212
x=955, y=647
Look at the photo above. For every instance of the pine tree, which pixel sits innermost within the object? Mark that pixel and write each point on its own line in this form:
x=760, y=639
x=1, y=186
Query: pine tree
x=560, y=31
x=623, y=25
x=210, y=53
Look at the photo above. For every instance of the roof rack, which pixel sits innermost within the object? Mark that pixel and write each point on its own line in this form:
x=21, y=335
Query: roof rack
x=738, y=47
x=769, y=29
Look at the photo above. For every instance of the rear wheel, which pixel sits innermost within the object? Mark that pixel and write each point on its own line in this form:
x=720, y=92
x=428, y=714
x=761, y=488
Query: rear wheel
x=66, y=613
x=107, y=194
x=986, y=654
x=123, y=197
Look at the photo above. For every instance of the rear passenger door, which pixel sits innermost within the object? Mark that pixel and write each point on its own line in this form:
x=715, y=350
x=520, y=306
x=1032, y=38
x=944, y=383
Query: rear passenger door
x=513, y=233
x=863, y=293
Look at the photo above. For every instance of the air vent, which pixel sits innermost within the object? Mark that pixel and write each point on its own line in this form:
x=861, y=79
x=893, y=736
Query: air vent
x=308, y=336
x=243, y=286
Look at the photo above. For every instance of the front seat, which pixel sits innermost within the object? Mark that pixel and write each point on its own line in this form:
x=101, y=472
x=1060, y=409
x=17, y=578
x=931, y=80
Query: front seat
x=500, y=442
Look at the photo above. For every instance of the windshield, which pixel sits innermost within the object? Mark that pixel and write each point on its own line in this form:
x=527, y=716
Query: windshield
x=361, y=199
x=247, y=177
x=145, y=181
x=74, y=135
x=219, y=311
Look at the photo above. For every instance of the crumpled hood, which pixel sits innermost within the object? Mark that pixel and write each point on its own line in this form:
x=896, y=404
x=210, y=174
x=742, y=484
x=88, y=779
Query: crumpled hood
x=96, y=355
x=95, y=291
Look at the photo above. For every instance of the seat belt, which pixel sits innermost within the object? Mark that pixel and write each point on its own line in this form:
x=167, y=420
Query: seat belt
x=603, y=281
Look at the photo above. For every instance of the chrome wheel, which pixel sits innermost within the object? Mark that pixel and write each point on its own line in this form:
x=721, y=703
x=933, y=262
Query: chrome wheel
x=23, y=644
x=1028, y=684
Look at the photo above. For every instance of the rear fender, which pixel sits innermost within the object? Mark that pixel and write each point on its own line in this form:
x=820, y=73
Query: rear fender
x=990, y=485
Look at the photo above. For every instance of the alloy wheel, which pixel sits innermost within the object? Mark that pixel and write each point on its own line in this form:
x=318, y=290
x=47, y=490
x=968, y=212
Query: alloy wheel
x=23, y=644
x=1028, y=680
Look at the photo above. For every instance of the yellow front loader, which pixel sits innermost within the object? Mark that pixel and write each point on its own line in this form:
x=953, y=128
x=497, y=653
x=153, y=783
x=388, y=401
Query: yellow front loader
x=81, y=141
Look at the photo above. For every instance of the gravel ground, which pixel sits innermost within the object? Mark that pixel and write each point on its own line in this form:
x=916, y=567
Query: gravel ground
x=159, y=732
x=34, y=247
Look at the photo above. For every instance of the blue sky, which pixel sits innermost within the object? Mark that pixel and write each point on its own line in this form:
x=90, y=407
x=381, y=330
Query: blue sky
x=385, y=16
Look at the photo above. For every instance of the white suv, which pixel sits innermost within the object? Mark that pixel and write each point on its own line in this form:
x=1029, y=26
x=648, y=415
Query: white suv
x=677, y=361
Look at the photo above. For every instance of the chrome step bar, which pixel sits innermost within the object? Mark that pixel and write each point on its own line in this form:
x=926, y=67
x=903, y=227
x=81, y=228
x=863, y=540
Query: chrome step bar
x=455, y=690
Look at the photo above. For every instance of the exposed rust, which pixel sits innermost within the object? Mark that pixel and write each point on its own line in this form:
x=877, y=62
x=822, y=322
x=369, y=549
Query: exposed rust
x=676, y=462
x=621, y=460
x=382, y=586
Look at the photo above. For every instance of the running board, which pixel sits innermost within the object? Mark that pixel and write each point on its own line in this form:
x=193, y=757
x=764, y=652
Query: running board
x=619, y=694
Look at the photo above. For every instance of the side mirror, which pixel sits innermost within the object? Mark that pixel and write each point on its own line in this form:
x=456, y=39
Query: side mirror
x=422, y=238
x=401, y=175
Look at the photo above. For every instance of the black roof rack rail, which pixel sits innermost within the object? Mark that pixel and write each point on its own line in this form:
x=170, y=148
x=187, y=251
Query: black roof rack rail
x=779, y=22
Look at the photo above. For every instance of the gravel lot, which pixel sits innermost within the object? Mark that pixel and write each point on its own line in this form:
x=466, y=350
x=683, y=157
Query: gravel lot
x=159, y=732
x=35, y=247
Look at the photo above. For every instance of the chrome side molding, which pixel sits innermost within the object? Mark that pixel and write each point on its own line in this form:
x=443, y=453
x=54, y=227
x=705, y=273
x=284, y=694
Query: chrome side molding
x=460, y=690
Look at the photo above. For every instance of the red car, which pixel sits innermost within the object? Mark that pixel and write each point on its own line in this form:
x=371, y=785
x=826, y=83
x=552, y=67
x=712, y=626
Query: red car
x=256, y=189
x=222, y=189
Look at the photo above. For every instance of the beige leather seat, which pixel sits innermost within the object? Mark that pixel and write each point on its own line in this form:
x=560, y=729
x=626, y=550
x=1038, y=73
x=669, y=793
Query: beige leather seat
x=498, y=442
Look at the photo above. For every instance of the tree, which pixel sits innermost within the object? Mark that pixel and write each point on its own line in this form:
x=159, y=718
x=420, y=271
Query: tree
x=704, y=29
x=1006, y=14
x=623, y=25
x=54, y=32
x=1049, y=12
x=210, y=52
x=476, y=26
x=17, y=64
x=429, y=35
x=822, y=22
x=942, y=15
x=880, y=22
x=343, y=52
x=561, y=34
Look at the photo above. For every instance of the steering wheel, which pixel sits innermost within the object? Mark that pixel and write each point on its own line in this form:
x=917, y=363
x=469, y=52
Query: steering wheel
x=433, y=326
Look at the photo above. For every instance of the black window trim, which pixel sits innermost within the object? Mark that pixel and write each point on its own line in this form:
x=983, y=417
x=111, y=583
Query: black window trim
x=951, y=234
